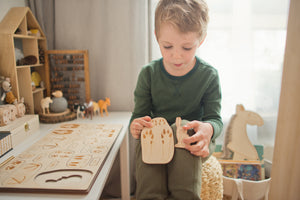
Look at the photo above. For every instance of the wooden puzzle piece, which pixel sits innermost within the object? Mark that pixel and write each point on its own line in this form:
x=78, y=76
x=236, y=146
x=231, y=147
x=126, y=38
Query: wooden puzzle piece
x=180, y=133
x=240, y=143
x=157, y=142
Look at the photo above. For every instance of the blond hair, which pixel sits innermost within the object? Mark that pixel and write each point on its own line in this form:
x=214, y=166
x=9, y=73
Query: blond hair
x=186, y=15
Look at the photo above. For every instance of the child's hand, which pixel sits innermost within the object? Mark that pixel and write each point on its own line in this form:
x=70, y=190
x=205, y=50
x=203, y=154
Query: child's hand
x=202, y=137
x=138, y=124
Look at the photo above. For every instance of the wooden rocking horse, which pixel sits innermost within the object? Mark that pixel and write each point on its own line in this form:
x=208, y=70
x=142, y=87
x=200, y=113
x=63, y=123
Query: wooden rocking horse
x=236, y=138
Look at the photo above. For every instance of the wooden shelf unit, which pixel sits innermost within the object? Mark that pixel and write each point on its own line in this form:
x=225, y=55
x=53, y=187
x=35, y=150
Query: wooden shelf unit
x=13, y=34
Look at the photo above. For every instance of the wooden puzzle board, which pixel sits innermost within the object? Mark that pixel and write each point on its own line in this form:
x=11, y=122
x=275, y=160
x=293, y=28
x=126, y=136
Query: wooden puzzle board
x=68, y=159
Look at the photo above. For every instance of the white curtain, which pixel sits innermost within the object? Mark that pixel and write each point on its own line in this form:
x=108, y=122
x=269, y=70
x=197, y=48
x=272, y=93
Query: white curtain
x=44, y=13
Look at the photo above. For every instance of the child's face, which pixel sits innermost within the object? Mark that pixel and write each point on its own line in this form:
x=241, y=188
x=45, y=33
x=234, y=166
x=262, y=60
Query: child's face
x=178, y=49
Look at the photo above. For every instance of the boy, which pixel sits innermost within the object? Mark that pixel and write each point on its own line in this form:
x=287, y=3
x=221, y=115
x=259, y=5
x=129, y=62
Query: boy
x=178, y=85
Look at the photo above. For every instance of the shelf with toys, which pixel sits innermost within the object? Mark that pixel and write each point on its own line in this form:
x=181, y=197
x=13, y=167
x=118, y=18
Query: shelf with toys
x=24, y=44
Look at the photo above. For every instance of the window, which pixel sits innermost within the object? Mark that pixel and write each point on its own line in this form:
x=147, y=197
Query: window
x=245, y=43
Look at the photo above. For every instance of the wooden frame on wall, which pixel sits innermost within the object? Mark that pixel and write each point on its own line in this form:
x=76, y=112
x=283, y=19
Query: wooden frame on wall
x=68, y=71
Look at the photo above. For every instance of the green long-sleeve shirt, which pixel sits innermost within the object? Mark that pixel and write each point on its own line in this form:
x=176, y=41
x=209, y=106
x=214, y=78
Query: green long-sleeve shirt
x=194, y=96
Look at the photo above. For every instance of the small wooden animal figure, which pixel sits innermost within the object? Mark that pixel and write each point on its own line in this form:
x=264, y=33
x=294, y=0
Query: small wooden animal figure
x=45, y=104
x=75, y=106
x=180, y=133
x=103, y=105
x=157, y=142
x=80, y=111
x=96, y=108
x=89, y=109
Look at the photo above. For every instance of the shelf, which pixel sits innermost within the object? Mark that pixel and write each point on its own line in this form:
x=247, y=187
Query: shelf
x=37, y=90
x=28, y=66
x=22, y=36
x=17, y=44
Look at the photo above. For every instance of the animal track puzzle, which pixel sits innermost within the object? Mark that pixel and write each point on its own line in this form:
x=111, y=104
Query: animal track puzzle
x=157, y=142
x=68, y=159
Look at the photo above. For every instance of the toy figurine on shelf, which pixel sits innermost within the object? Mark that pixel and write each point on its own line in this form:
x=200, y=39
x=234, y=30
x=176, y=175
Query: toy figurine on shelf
x=8, y=96
x=79, y=109
x=10, y=108
x=36, y=79
x=59, y=103
x=45, y=104
x=103, y=105
x=96, y=108
x=55, y=109
x=89, y=109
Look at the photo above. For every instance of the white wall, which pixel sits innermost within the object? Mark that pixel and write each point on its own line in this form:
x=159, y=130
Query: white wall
x=5, y=5
x=114, y=33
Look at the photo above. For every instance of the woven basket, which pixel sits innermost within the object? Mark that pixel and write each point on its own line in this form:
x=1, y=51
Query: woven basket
x=212, y=180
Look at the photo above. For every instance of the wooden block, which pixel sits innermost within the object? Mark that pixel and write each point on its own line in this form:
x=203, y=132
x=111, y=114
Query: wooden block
x=13, y=111
x=249, y=170
x=4, y=116
x=20, y=109
x=9, y=112
x=157, y=142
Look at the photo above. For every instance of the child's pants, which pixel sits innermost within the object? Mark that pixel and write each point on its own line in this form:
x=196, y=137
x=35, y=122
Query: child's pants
x=180, y=179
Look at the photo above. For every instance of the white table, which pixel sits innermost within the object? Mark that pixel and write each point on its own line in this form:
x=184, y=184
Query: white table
x=121, y=144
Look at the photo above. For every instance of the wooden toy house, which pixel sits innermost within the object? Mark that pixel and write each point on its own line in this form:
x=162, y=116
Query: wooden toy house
x=20, y=32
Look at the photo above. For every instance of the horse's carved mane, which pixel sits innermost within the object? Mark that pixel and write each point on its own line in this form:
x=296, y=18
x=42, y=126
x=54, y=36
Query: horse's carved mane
x=226, y=152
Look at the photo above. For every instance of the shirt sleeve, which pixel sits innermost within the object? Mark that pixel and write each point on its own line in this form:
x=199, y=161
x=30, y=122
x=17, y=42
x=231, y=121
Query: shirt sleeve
x=142, y=95
x=212, y=106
